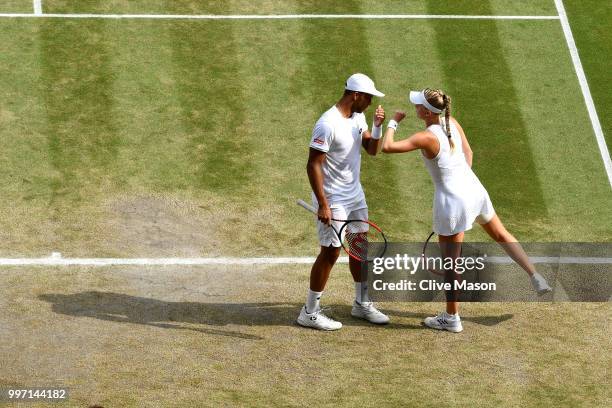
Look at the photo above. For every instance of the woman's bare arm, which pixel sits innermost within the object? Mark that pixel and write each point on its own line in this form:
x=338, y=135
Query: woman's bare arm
x=467, y=150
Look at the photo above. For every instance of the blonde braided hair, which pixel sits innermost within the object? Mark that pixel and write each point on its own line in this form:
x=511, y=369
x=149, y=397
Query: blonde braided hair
x=438, y=99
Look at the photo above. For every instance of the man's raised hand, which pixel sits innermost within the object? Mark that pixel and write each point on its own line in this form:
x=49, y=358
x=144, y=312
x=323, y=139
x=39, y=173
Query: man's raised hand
x=379, y=116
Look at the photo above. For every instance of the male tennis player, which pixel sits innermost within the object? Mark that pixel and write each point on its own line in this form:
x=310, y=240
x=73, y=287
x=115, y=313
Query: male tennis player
x=333, y=169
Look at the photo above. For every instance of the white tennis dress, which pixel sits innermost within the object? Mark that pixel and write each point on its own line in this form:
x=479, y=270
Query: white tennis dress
x=459, y=198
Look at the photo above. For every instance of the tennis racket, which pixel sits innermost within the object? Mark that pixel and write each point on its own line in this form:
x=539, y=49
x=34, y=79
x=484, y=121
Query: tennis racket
x=355, y=235
x=430, y=253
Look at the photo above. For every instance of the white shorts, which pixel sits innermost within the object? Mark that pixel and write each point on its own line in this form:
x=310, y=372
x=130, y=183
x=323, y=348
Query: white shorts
x=358, y=211
x=485, y=218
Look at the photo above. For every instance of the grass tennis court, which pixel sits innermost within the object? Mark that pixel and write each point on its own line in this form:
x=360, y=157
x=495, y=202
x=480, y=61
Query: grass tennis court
x=185, y=138
x=225, y=336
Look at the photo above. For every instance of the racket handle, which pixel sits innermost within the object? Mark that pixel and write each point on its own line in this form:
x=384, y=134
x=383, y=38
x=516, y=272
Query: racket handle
x=307, y=206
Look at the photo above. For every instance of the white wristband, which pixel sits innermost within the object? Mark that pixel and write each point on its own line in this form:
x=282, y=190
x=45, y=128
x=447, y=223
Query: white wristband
x=376, y=132
x=393, y=124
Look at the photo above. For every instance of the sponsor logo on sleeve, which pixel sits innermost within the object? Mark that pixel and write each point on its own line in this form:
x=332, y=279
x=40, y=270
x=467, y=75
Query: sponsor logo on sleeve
x=318, y=141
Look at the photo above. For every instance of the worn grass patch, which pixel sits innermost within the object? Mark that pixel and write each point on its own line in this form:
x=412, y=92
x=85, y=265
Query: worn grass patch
x=174, y=336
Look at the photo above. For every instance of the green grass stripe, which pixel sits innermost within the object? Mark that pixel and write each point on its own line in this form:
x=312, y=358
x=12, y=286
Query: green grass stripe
x=335, y=50
x=213, y=108
x=403, y=203
x=146, y=111
x=24, y=160
x=568, y=163
x=590, y=24
x=277, y=123
x=478, y=78
x=82, y=138
x=520, y=7
x=16, y=6
x=78, y=103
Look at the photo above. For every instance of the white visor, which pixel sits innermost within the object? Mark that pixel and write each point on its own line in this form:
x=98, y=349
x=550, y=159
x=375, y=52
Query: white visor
x=418, y=98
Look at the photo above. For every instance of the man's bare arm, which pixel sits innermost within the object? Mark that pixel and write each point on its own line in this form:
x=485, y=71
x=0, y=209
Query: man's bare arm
x=314, y=168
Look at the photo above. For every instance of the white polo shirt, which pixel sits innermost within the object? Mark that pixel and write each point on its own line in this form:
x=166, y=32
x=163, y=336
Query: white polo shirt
x=340, y=138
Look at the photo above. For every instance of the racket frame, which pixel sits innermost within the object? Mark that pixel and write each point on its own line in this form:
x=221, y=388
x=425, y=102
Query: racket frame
x=310, y=208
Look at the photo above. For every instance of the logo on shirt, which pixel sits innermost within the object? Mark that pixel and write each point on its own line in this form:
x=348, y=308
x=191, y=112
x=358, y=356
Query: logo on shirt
x=318, y=141
x=360, y=130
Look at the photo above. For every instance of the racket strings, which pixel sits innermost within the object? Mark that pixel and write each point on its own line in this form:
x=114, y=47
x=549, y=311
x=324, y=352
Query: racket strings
x=357, y=243
x=358, y=238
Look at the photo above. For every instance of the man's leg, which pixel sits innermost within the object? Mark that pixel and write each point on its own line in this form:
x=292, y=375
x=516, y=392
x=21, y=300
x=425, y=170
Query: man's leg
x=321, y=269
x=360, y=279
x=310, y=315
x=319, y=274
x=363, y=308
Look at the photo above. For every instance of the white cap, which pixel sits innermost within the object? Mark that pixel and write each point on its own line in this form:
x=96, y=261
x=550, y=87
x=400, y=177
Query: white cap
x=362, y=83
x=418, y=98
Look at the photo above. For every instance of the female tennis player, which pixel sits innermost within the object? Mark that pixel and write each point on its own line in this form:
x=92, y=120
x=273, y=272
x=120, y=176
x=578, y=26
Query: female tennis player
x=459, y=198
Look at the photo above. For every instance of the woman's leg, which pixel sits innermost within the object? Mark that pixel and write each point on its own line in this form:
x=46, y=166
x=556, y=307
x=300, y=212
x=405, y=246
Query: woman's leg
x=498, y=232
x=450, y=245
x=513, y=248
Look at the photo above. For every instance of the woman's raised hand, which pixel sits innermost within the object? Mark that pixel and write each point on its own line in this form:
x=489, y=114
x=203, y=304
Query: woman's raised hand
x=399, y=115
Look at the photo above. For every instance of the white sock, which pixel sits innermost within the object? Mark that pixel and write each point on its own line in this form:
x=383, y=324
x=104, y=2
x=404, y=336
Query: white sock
x=313, y=301
x=361, y=292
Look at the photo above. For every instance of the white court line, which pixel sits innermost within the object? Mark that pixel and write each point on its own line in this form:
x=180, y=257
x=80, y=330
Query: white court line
x=277, y=16
x=37, y=4
x=564, y=260
x=59, y=261
x=586, y=93
x=56, y=260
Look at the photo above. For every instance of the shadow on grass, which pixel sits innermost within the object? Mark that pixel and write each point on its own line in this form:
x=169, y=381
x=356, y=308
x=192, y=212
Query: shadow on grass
x=118, y=307
x=482, y=320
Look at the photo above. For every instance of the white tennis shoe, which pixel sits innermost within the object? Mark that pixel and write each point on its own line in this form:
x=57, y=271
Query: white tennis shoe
x=445, y=321
x=367, y=311
x=539, y=284
x=317, y=320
